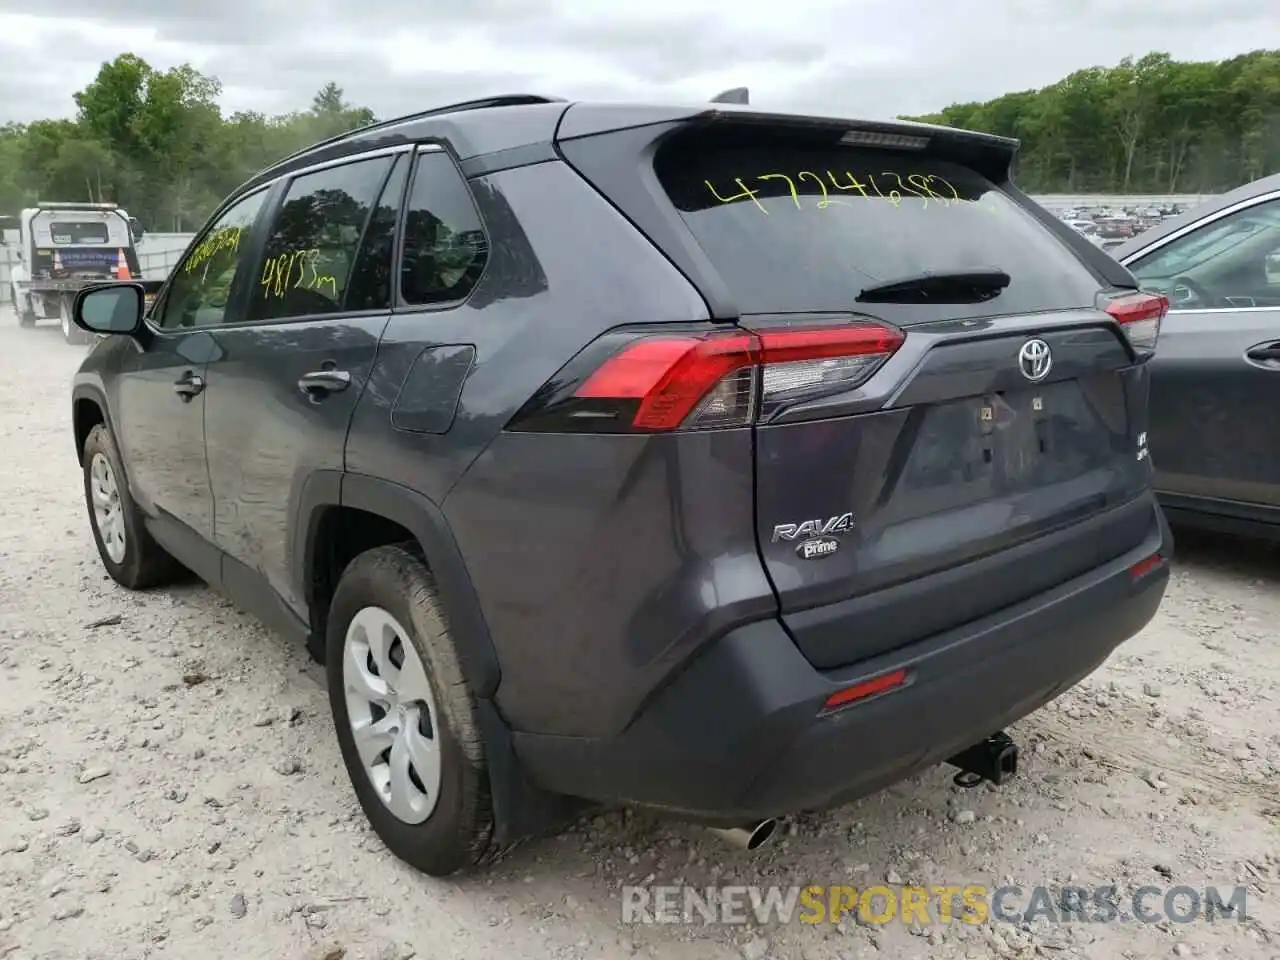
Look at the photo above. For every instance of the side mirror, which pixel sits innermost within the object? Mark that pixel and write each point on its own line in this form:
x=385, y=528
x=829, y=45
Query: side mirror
x=136, y=230
x=109, y=308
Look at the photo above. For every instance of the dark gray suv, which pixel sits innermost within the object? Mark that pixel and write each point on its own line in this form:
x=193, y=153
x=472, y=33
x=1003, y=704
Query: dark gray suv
x=723, y=463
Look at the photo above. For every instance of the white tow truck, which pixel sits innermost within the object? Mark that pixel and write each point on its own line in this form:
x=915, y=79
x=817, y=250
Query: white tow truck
x=64, y=247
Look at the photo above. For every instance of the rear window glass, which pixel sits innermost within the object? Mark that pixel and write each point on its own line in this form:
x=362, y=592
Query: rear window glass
x=79, y=231
x=805, y=226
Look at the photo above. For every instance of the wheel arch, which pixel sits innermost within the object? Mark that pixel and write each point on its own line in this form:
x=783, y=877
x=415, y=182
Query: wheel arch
x=521, y=807
x=327, y=491
x=88, y=409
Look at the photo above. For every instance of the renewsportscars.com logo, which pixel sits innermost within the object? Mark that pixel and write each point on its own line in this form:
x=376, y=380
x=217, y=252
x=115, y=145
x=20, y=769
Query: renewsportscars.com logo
x=973, y=904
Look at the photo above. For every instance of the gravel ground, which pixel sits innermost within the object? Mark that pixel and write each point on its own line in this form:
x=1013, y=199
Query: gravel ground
x=171, y=785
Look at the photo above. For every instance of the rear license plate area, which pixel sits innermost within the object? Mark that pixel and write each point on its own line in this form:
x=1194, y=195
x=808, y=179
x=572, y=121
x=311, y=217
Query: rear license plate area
x=1008, y=441
x=1043, y=435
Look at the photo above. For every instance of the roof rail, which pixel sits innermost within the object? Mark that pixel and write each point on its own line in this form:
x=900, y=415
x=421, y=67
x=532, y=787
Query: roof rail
x=501, y=100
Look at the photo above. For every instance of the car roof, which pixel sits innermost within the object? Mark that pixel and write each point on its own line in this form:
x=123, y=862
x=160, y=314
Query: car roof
x=1209, y=207
x=472, y=128
x=490, y=125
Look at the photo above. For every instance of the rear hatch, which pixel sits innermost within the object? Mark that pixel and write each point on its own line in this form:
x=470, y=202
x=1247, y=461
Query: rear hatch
x=949, y=403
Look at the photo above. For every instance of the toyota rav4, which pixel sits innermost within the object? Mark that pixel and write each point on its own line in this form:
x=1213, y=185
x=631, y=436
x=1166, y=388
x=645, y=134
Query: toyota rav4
x=718, y=462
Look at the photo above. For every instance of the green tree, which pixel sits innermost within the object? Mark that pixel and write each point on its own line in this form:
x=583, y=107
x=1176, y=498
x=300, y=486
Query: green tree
x=1152, y=124
x=156, y=142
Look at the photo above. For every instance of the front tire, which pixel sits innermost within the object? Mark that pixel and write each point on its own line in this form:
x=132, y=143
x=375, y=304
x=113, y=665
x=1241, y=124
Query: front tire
x=405, y=717
x=132, y=558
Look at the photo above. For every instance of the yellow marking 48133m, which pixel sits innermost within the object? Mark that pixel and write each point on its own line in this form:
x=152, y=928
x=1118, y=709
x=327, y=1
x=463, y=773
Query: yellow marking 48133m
x=293, y=270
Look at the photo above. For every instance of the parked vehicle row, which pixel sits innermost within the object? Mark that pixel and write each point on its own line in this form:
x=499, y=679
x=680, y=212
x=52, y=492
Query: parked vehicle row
x=1108, y=227
x=723, y=463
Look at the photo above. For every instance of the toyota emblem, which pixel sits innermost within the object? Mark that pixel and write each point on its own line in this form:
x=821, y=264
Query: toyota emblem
x=1035, y=359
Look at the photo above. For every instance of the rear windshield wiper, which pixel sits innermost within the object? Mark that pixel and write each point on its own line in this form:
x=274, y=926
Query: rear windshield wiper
x=959, y=286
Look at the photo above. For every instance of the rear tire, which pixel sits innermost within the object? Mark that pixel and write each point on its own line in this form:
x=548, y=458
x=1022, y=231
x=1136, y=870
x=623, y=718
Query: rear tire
x=26, y=313
x=70, y=332
x=132, y=558
x=439, y=818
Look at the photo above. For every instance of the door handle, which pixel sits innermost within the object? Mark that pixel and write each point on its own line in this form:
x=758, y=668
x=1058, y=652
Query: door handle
x=188, y=385
x=318, y=383
x=1267, y=351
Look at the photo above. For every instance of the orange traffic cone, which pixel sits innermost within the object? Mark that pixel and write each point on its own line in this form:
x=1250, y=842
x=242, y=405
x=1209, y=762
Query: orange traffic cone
x=57, y=262
x=122, y=266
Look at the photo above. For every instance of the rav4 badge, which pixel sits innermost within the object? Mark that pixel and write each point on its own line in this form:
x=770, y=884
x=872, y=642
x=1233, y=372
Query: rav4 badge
x=807, y=529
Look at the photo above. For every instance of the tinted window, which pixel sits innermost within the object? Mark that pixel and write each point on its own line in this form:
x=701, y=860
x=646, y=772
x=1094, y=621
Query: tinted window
x=444, y=243
x=73, y=232
x=313, y=238
x=201, y=285
x=370, y=286
x=1231, y=262
x=796, y=226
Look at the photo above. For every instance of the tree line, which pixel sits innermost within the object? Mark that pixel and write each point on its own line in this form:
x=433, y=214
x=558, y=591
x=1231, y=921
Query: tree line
x=1153, y=125
x=157, y=141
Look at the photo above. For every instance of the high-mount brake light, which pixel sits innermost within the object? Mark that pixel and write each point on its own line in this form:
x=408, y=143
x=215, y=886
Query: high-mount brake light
x=661, y=382
x=874, y=138
x=1139, y=315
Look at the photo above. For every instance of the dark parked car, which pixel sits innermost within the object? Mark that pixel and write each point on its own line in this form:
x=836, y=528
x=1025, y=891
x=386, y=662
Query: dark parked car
x=1216, y=376
x=723, y=463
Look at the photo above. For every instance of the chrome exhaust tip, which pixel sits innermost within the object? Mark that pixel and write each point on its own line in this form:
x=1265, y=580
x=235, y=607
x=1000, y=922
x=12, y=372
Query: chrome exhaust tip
x=751, y=836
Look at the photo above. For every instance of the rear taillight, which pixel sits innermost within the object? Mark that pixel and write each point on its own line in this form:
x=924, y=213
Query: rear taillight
x=642, y=382
x=1139, y=314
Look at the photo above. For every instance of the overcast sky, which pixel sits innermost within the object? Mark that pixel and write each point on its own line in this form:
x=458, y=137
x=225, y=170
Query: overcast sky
x=870, y=58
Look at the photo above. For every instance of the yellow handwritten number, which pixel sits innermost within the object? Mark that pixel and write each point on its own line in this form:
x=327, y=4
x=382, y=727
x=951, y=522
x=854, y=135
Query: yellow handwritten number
x=921, y=182
x=826, y=200
x=746, y=194
x=853, y=183
x=294, y=270
x=905, y=189
x=795, y=197
x=893, y=197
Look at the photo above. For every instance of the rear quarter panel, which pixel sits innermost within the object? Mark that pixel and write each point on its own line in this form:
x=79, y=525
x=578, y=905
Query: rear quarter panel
x=563, y=267
x=600, y=563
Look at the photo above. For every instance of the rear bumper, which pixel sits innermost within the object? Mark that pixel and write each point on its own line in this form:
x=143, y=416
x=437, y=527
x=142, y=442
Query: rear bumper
x=737, y=735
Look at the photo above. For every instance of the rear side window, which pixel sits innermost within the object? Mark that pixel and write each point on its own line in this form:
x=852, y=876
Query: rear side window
x=794, y=225
x=444, y=243
x=313, y=239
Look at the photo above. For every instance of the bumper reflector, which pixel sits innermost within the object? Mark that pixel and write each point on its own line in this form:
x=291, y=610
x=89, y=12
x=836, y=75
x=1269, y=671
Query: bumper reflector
x=1143, y=567
x=865, y=689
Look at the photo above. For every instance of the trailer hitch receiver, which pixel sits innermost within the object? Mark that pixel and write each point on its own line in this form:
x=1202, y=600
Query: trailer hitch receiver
x=994, y=759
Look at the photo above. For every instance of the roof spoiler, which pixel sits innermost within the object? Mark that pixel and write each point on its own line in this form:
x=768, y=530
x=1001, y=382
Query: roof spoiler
x=736, y=95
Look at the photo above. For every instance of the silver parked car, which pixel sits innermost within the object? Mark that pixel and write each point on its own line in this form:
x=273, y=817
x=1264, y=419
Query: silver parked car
x=1215, y=379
